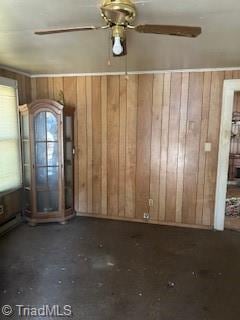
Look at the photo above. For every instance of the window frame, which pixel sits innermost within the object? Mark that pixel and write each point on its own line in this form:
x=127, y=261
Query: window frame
x=14, y=84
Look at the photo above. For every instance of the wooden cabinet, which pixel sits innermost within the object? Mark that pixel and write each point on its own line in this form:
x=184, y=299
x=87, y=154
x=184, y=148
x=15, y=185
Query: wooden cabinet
x=47, y=153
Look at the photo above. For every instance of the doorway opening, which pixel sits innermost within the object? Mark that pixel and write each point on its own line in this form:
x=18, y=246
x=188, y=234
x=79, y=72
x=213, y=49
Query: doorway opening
x=227, y=202
x=232, y=210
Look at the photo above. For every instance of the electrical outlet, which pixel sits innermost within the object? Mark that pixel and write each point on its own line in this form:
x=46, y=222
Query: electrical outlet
x=208, y=147
x=1, y=210
x=146, y=216
x=150, y=202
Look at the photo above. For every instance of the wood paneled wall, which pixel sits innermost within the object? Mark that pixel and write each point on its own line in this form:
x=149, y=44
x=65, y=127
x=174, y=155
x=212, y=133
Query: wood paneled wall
x=144, y=139
x=24, y=85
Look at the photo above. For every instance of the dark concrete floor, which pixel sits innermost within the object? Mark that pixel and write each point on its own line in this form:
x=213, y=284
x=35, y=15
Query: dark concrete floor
x=110, y=270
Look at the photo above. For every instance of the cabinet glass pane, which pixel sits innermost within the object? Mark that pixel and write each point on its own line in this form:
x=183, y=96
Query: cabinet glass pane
x=52, y=150
x=68, y=151
x=52, y=127
x=47, y=201
x=68, y=127
x=53, y=178
x=41, y=159
x=68, y=175
x=42, y=201
x=41, y=177
x=68, y=198
x=25, y=126
x=40, y=126
x=53, y=201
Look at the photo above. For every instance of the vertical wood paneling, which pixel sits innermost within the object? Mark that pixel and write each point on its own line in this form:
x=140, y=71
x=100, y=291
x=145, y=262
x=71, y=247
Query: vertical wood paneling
x=51, y=89
x=156, y=143
x=164, y=146
x=104, y=144
x=131, y=141
x=57, y=87
x=213, y=137
x=122, y=145
x=202, y=153
x=113, y=144
x=143, y=139
x=182, y=145
x=192, y=147
x=89, y=143
x=42, y=88
x=97, y=147
x=70, y=91
x=34, y=88
x=228, y=75
x=82, y=205
x=144, y=129
x=21, y=91
x=22, y=86
x=173, y=136
x=28, y=90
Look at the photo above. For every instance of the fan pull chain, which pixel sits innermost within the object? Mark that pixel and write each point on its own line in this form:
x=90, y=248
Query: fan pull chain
x=126, y=68
x=109, y=48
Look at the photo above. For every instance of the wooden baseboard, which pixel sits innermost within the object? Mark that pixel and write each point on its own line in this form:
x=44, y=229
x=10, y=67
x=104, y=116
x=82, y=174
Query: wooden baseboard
x=182, y=225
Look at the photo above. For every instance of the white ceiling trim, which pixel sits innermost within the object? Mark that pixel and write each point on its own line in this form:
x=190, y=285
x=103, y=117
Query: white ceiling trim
x=132, y=72
x=48, y=75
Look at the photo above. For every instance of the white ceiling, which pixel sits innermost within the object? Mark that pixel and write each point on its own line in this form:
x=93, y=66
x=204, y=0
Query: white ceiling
x=83, y=52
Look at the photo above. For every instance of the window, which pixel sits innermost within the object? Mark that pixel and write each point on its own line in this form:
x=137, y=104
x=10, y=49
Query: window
x=10, y=161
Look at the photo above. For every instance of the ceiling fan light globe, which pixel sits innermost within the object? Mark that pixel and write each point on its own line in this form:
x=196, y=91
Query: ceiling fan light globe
x=117, y=47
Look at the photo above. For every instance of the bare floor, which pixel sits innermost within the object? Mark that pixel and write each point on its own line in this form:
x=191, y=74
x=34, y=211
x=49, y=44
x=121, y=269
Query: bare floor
x=117, y=270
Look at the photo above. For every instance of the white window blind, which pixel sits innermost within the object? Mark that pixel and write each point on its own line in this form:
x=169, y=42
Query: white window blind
x=10, y=162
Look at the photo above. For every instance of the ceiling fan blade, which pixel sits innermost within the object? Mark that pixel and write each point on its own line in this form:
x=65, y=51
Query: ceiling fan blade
x=52, y=31
x=181, y=31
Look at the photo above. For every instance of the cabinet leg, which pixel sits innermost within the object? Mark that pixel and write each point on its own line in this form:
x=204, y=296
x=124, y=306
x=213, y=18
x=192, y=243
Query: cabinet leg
x=32, y=224
x=63, y=223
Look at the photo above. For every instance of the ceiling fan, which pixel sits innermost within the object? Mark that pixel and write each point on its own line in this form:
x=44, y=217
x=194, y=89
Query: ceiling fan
x=119, y=16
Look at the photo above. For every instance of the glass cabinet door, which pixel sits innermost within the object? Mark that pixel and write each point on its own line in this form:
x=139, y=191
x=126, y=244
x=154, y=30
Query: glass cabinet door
x=68, y=161
x=47, y=166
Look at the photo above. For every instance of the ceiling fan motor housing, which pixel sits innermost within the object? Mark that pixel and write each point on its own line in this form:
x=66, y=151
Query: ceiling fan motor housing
x=125, y=7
